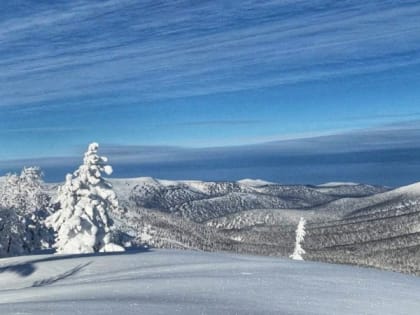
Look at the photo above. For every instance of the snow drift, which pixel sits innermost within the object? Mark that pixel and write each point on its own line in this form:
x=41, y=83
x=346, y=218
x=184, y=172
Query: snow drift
x=185, y=282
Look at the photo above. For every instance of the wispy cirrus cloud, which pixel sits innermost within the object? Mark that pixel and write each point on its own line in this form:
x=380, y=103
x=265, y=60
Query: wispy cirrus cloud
x=40, y=130
x=221, y=123
x=149, y=51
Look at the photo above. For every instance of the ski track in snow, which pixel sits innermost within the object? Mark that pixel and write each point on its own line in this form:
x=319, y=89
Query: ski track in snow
x=187, y=282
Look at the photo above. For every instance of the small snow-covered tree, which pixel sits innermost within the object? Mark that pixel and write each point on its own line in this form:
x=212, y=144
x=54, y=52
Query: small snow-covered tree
x=24, y=192
x=24, y=195
x=300, y=235
x=82, y=223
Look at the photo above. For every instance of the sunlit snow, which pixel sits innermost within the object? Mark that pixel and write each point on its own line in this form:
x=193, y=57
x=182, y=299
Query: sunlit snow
x=185, y=282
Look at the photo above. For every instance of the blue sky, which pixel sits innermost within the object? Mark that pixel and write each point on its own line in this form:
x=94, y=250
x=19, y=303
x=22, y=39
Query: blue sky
x=145, y=76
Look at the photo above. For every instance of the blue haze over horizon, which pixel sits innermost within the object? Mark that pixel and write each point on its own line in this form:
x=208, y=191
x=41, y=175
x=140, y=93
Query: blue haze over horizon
x=289, y=91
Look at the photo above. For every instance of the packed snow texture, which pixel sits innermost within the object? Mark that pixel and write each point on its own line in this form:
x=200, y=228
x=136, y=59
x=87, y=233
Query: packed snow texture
x=184, y=282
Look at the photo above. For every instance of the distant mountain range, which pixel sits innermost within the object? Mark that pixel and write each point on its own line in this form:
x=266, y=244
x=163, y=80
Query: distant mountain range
x=203, y=201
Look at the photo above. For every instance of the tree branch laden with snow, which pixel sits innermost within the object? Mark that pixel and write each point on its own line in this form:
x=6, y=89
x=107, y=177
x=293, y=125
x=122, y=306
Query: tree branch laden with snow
x=26, y=205
x=82, y=223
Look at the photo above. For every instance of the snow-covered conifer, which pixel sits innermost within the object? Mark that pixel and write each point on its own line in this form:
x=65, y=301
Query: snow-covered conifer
x=24, y=192
x=10, y=196
x=24, y=196
x=300, y=235
x=82, y=223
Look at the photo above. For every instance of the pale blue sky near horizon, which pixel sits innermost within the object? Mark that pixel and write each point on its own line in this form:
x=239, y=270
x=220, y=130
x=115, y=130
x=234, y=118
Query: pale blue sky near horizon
x=210, y=74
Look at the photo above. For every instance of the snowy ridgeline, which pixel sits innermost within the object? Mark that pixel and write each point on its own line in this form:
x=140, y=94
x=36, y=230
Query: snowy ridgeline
x=185, y=282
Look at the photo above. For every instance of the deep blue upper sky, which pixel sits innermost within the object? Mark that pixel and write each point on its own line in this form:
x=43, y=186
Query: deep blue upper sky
x=204, y=74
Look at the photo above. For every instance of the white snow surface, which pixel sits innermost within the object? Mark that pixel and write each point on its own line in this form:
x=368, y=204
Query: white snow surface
x=412, y=190
x=186, y=282
x=336, y=184
x=254, y=182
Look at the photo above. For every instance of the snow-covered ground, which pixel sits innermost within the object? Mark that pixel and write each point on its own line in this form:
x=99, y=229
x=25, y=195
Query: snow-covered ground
x=335, y=184
x=185, y=282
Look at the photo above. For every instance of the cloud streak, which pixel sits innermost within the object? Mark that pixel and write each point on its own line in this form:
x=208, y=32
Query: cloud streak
x=388, y=155
x=151, y=51
x=40, y=130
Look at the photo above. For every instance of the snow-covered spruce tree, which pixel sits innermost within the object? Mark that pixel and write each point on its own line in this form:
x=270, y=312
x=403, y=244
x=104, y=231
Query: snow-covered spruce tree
x=300, y=235
x=24, y=195
x=82, y=223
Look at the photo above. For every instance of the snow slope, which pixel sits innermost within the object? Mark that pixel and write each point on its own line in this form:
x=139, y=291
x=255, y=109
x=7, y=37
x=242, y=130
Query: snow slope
x=182, y=282
x=335, y=184
x=412, y=190
x=255, y=182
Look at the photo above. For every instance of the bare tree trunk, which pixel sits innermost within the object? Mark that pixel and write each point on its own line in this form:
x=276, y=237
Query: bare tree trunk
x=9, y=244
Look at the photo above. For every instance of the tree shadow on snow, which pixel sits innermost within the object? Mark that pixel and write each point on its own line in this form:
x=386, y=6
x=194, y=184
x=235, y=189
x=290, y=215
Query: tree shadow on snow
x=23, y=270
x=51, y=280
x=27, y=268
